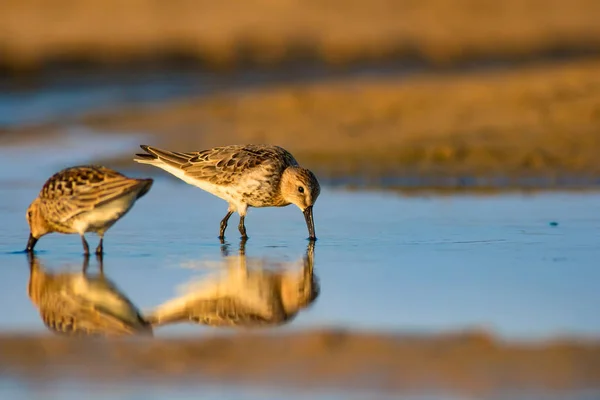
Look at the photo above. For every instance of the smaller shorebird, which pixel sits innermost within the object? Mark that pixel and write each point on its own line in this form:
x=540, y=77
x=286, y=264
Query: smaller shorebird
x=83, y=199
x=78, y=304
x=244, y=297
x=244, y=176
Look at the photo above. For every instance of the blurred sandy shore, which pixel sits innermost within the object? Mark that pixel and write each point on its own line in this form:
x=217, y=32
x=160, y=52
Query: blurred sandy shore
x=35, y=33
x=470, y=362
x=539, y=121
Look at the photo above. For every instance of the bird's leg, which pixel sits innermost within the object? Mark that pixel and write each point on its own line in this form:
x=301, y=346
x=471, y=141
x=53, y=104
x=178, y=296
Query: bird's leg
x=243, y=265
x=86, y=248
x=242, y=227
x=224, y=224
x=86, y=263
x=100, y=261
x=224, y=248
x=243, y=246
x=100, y=248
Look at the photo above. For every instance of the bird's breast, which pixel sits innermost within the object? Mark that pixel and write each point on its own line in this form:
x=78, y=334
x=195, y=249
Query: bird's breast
x=104, y=216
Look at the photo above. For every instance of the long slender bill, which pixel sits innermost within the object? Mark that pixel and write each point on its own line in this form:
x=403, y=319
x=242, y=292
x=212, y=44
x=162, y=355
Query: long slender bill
x=310, y=223
x=31, y=243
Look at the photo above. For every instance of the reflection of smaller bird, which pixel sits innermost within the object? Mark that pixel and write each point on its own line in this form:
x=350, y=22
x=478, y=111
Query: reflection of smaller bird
x=75, y=303
x=244, y=297
x=83, y=199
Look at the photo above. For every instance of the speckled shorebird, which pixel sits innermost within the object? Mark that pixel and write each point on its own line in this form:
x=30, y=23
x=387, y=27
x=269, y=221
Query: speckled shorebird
x=244, y=176
x=244, y=297
x=83, y=199
x=75, y=303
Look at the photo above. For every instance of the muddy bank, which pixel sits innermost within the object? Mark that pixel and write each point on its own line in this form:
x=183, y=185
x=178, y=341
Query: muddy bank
x=526, y=128
x=471, y=362
x=228, y=34
x=489, y=129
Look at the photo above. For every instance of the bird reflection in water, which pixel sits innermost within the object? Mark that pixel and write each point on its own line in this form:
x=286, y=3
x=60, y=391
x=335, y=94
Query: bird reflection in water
x=81, y=304
x=245, y=296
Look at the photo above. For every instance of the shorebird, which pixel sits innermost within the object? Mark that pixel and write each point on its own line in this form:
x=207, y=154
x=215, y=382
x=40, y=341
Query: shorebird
x=75, y=303
x=244, y=176
x=83, y=199
x=244, y=297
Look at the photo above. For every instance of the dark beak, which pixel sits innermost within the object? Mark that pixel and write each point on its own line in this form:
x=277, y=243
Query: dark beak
x=31, y=243
x=308, y=216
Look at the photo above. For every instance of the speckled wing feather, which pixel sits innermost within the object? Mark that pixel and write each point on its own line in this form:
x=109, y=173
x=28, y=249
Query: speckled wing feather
x=74, y=320
x=75, y=190
x=107, y=299
x=76, y=304
x=96, y=308
x=222, y=165
x=230, y=311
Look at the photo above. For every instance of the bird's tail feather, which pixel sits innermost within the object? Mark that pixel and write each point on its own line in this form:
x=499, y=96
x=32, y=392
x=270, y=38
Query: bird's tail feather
x=155, y=156
x=145, y=185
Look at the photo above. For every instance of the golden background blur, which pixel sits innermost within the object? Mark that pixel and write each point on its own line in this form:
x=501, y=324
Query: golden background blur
x=493, y=88
x=500, y=88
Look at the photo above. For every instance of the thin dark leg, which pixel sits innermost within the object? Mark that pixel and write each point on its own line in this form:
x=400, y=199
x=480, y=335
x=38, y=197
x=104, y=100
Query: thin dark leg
x=224, y=224
x=100, y=261
x=224, y=248
x=242, y=227
x=86, y=263
x=100, y=248
x=86, y=248
x=243, y=246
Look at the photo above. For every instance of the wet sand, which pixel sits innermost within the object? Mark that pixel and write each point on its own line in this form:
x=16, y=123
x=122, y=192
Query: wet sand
x=470, y=362
x=539, y=122
x=228, y=34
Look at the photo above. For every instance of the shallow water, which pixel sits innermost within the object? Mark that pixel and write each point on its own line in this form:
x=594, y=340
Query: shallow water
x=71, y=390
x=524, y=266
x=68, y=391
x=384, y=262
x=61, y=95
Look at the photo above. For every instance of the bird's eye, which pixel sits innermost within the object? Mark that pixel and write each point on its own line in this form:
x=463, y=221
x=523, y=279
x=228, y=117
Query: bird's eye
x=300, y=189
x=29, y=214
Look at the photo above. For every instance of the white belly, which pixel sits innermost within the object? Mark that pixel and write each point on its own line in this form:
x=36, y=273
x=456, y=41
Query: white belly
x=102, y=218
x=227, y=193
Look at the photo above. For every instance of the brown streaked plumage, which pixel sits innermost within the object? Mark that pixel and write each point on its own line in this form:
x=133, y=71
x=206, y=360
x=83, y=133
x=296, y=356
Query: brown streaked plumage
x=244, y=297
x=83, y=199
x=243, y=175
x=75, y=303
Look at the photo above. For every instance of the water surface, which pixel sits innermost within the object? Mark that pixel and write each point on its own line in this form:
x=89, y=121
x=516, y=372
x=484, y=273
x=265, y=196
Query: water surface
x=523, y=266
x=66, y=94
x=385, y=262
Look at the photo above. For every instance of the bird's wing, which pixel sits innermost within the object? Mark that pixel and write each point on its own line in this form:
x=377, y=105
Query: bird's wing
x=72, y=316
x=219, y=311
x=229, y=311
x=76, y=191
x=107, y=299
x=219, y=165
x=224, y=165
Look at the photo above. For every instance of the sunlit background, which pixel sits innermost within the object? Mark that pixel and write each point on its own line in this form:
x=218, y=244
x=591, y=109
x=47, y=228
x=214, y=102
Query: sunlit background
x=457, y=147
